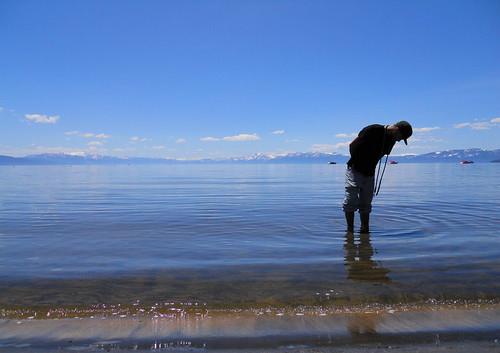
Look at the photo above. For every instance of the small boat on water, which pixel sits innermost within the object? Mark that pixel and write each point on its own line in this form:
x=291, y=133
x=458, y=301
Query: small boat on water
x=466, y=162
x=332, y=162
x=393, y=162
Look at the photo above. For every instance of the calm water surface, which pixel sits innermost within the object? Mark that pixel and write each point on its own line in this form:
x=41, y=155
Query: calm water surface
x=245, y=234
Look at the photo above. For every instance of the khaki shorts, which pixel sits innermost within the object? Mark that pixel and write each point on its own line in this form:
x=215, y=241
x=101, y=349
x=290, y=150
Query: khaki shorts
x=358, y=191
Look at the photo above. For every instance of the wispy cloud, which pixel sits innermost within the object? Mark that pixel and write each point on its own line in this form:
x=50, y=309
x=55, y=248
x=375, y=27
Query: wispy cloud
x=180, y=140
x=235, y=138
x=209, y=139
x=342, y=145
x=87, y=135
x=323, y=148
x=495, y=121
x=328, y=148
x=159, y=147
x=479, y=125
x=426, y=129
x=121, y=149
x=95, y=143
x=37, y=149
x=42, y=119
x=278, y=132
x=242, y=137
x=78, y=153
x=343, y=135
x=139, y=139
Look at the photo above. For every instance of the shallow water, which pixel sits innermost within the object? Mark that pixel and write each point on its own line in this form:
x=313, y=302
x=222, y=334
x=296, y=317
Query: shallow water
x=245, y=329
x=243, y=235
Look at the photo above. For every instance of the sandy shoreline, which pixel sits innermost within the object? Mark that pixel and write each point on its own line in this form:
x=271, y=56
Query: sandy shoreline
x=292, y=331
x=460, y=346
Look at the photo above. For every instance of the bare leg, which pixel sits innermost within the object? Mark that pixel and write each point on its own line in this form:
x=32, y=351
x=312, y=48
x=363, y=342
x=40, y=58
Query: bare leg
x=349, y=217
x=365, y=222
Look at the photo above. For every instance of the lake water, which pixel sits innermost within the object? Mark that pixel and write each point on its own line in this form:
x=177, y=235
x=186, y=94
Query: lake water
x=233, y=235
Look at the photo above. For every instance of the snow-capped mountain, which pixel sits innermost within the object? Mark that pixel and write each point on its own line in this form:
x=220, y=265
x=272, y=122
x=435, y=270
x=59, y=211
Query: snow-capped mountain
x=295, y=157
x=450, y=156
x=474, y=154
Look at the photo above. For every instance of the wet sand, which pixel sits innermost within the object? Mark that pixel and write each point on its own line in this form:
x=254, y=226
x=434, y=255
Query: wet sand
x=464, y=346
x=430, y=329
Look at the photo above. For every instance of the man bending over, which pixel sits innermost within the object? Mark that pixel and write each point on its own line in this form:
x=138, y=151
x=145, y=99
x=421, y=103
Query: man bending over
x=372, y=143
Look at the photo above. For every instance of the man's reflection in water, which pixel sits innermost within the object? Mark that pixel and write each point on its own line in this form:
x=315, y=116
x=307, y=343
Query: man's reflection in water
x=362, y=324
x=358, y=260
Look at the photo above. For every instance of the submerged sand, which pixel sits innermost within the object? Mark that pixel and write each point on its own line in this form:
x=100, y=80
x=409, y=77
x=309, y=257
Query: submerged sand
x=307, y=330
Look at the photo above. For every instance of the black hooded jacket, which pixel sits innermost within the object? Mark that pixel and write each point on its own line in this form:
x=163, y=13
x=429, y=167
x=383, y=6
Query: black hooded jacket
x=372, y=143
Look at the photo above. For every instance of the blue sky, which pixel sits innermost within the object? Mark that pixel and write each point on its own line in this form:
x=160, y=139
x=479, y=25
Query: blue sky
x=204, y=79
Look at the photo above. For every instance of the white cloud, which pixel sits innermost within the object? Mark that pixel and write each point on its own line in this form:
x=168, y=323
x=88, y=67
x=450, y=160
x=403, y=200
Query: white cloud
x=425, y=129
x=139, y=139
x=87, y=135
x=95, y=143
x=324, y=148
x=242, y=137
x=495, y=121
x=278, y=132
x=36, y=149
x=341, y=145
x=160, y=147
x=65, y=150
x=209, y=139
x=415, y=139
x=180, y=140
x=120, y=149
x=42, y=119
x=97, y=149
x=480, y=125
x=342, y=135
x=235, y=138
x=1, y=109
x=78, y=153
x=485, y=125
x=328, y=148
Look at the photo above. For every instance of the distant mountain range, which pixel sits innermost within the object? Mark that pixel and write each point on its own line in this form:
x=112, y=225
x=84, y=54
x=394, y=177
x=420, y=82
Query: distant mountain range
x=451, y=156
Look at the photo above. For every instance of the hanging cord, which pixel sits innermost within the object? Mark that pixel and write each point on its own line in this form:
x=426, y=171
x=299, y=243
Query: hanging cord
x=378, y=183
x=377, y=189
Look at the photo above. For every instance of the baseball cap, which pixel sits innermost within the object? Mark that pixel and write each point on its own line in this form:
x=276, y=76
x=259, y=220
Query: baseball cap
x=405, y=129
